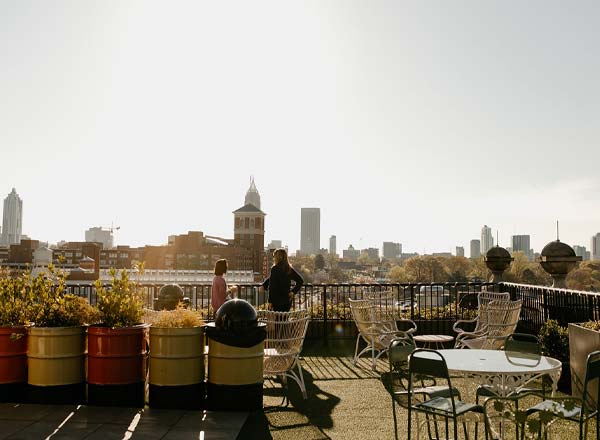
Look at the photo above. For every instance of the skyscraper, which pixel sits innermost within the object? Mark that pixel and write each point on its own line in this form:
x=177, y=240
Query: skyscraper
x=99, y=235
x=391, y=249
x=12, y=219
x=594, y=246
x=487, y=241
x=252, y=195
x=310, y=231
x=581, y=251
x=460, y=251
x=522, y=243
x=332, y=245
x=475, y=249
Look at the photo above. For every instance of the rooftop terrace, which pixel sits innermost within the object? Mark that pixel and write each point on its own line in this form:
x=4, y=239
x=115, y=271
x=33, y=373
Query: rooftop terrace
x=344, y=402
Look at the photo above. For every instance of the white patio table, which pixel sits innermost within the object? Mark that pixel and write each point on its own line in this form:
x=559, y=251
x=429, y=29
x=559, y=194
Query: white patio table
x=505, y=372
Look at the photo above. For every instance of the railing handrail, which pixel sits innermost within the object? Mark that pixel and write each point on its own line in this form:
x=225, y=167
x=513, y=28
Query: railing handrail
x=557, y=289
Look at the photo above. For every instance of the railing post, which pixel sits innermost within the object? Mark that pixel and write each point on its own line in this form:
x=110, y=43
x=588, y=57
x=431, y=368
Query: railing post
x=325, y=332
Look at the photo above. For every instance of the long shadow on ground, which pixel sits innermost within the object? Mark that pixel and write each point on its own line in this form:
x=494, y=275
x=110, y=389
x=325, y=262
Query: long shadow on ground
x=302, y=417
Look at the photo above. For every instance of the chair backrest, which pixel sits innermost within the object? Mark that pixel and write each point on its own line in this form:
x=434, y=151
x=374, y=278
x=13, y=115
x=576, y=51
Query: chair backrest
x=592, y=372
x=373, y=322
x=523, y=343
x=503, y=317
x=362, y=313
x=484, y=298
x=285, y=330
x=428, y=364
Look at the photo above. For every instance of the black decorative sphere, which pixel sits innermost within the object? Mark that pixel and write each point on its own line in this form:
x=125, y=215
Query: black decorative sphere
x=236, y=315
x=170, y=292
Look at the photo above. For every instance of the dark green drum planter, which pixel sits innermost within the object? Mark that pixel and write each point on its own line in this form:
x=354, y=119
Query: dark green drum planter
x=582, y=341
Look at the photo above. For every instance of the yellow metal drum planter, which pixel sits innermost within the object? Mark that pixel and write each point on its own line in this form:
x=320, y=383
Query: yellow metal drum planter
x=56, y=358
x=235, y=358
x=177, y=368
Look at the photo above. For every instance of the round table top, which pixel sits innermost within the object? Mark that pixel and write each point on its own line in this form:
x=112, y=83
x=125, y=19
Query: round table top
x=497, y=362
x=433, y=338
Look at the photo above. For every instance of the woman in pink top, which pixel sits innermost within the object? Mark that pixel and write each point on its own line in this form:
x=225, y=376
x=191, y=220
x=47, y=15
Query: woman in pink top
x=219, y=286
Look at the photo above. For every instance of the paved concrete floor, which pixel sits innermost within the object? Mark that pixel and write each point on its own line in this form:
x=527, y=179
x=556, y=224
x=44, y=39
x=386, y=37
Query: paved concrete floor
x=30, y=421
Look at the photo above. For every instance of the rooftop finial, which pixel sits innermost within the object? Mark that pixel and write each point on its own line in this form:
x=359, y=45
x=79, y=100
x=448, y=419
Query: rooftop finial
x=497, y=243
x=557, y=239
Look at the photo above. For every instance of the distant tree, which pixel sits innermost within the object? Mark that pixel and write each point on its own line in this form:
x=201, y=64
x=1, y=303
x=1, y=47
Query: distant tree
x=518, y=266
x=457, y=269
x=479, y=270
x=426, y=269
x=397, y=274
x=585, y=277
x=319, y=262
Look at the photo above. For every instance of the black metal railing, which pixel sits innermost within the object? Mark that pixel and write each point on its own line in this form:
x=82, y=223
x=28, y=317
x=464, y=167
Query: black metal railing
x=541, y=303
x=434, y=307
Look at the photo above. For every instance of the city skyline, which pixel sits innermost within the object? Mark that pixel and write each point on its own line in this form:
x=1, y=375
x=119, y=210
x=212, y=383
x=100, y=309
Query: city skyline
x=252, y=197
x=392, y=118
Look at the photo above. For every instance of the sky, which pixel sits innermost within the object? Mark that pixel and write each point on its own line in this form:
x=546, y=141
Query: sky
x=413, y=122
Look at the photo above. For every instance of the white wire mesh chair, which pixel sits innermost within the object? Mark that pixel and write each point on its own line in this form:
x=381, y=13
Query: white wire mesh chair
x=483, y=300
x=376, y=327
x=502, y=320
x=285, y=336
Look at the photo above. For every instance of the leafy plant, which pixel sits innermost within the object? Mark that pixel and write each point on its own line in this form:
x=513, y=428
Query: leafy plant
x=591, y=325
x=120, y=304
x=178, y=318
x=16, y=300
x=53, y=306
x=554, y=340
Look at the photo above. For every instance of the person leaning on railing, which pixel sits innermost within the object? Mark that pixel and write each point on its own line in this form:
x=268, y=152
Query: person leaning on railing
x=279, y=283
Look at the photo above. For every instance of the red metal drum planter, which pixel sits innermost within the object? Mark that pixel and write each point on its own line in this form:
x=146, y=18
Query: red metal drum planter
x=13, y=363
x=117, y=360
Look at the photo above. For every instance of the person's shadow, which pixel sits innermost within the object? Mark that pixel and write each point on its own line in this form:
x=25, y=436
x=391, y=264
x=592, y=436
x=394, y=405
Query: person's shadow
x=308, y=416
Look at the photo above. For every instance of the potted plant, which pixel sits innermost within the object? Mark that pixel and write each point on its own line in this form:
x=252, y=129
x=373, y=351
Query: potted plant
x=56, y=355
x=584, y=338
x=15, y=301
x=117, y=347
x=554, y=340
x=176, y=359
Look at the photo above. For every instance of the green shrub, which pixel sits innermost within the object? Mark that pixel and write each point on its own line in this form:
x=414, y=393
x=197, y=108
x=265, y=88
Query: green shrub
x=120, y=304
x=53, y=306
x=554, y=340
x=16, y=300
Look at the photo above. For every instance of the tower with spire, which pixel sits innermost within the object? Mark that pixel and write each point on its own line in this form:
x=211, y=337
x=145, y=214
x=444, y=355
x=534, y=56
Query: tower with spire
x=12, y=219
x=252, y=195
x=249, y=227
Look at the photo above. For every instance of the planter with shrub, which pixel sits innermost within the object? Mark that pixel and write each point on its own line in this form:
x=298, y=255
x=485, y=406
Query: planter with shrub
x=15, y=303
x=176, y=359
x=554, y=340
x=118, y=346
x=56, y=353
x=584, y=338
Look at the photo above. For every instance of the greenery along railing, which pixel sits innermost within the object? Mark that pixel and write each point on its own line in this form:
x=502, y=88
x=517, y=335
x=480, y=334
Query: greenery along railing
x=435, y=307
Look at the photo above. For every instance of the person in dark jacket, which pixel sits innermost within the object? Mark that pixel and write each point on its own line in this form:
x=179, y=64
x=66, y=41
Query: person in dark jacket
x=279, y=283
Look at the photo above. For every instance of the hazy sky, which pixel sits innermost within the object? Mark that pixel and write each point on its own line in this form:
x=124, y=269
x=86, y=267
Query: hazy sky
x=415, y=122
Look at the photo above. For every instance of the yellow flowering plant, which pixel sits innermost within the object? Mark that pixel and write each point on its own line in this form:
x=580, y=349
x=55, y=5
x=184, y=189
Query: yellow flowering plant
x=16, y=299
x=178, y=318
x=53, y=306
x=120, y=304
